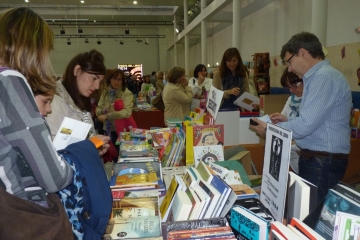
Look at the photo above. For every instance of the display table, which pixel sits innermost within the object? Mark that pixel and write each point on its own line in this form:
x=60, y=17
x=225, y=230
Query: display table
x=148, y=118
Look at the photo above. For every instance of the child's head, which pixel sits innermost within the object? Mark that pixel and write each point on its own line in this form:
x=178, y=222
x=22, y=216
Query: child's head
x=43, y=102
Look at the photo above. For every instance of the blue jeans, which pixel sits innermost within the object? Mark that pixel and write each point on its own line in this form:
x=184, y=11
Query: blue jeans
x=324, y=172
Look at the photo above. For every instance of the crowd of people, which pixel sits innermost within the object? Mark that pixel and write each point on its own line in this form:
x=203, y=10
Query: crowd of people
x=33, y=105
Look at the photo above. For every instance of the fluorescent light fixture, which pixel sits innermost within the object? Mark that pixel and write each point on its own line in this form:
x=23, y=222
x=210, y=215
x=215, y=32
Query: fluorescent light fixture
x=82, y=1
x=26, y=0
x=134, y=2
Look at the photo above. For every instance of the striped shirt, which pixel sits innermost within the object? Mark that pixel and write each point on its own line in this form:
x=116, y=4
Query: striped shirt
x=323, y=123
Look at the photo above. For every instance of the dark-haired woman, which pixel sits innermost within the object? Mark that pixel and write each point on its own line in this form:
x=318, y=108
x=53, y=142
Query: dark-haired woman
x=231, y=77
x=199, y=85
x=105, y=109
x=83, y=76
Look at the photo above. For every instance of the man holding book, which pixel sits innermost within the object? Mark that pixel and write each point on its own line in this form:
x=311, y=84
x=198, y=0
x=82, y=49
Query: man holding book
x=322, y=128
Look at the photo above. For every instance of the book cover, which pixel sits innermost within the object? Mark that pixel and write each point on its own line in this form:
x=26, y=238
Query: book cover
x=136, y=228
x=181, y=207
x=207, y=154
x=135, y=207
x=206, y=135
x=228, y=204
x=224, y=191
x=276, y=236
x=133, y=148
x=300, y=193
x=344, y=225
x=137, y=168
x=214, y=198
x=159, y=136
x=334, y=202
x=204, y=172
x=306, y=230
x=195, y=201
x=138, y=132
x=204, y=199
x=189, y=178
x=70, y=131
x=243, y=191
x=348, y=191
x=136, y=179
x=167, y=201
x=118, y=195
x=297, y=232
x=176, y=227
x=248, y=224
x=284, y=231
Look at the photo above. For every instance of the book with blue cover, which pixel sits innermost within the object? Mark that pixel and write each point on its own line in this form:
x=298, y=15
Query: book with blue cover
x=248, y=224
x=334, y=202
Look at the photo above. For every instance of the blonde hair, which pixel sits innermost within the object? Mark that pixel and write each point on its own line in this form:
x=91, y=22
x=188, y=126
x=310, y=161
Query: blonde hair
x=175, y=73
x=25, y=44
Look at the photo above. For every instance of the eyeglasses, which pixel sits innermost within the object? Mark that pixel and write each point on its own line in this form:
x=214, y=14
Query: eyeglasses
x=292, y=86
x=288, y=61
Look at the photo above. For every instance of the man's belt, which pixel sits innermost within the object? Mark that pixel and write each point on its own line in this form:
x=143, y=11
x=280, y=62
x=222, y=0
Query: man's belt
x=306, y=154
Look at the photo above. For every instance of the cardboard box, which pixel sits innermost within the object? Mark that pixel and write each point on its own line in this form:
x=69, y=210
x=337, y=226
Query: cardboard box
x=272, y=103
x=246, y=135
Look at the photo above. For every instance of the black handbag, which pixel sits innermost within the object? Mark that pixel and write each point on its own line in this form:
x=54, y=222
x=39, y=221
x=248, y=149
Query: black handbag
x=158, y=102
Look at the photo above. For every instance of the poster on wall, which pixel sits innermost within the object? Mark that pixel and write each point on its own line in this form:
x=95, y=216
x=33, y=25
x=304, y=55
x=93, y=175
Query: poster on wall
x=133, y=69
x=275, y=170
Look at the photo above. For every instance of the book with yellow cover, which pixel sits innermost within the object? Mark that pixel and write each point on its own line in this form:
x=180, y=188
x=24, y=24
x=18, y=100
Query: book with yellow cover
x=168, y=200
x=127, y=180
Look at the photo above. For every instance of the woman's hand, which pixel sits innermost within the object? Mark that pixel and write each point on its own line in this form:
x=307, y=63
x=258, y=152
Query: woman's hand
x=260, y=128
x=234, y=91
x=277, y=117
x=185, y=82
x=105, y=146
x=200, y=78
x=102, y=118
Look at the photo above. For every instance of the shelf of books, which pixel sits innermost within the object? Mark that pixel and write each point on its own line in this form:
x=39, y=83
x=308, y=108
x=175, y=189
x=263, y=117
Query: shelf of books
x=165, y=188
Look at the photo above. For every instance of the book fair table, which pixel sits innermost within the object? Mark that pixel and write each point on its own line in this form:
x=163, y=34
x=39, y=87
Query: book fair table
x=146, y=119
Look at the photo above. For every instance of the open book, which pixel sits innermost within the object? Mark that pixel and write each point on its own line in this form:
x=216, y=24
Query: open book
x=70, y=131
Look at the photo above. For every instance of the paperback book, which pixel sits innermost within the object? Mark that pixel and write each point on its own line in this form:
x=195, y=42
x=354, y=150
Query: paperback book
x=133, y=148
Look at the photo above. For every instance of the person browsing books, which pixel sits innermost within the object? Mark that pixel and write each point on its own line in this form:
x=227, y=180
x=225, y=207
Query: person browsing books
x=322, y=129
x=105, y=109
x=177, y=95
x=199, y=84
x=31, y=169
x=160, y=82
x=231, y=77
x=83, y=76
x=291, y=110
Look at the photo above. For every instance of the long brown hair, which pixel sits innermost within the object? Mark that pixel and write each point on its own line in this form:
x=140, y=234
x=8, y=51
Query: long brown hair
x=91, y=62
x=228, y=55
x=25, y=44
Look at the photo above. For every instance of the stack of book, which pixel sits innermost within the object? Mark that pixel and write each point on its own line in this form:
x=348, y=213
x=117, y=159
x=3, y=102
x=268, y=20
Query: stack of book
x=158, y=137
x=296, y=230
x=198, y=195
x=137, y=176
x=134, y=217
x=172, y=122
x=172, y=152
x=215, y=228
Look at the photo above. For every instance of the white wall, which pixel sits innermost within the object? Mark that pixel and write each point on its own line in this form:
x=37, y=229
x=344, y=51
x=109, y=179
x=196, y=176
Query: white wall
x=269, y=28
x=152, y=56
